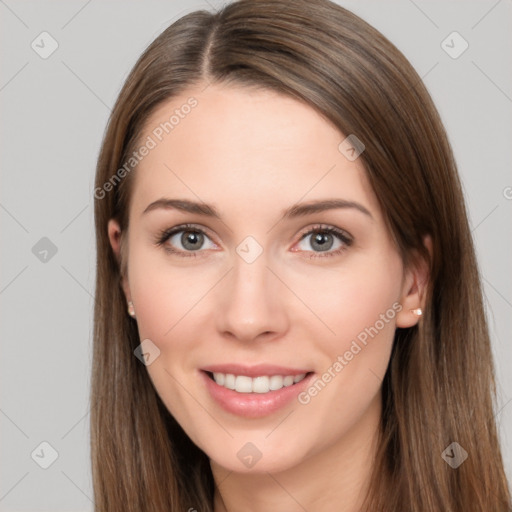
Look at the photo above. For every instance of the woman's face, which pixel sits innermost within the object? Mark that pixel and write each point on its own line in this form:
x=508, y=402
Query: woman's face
x=299, y=319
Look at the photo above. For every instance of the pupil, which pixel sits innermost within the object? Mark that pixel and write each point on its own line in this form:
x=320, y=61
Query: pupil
x=320, y=239
x=191, y=240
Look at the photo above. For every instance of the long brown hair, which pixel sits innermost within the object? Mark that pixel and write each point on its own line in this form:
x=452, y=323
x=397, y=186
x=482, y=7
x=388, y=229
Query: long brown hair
x=439, y=387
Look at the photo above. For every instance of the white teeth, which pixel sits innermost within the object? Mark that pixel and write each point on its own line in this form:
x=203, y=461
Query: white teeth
x=263, y=384
x=260, y=385
x=288, y=380
x=243, y=384
x=229, y=381
x=276, y=382
x=220, y=378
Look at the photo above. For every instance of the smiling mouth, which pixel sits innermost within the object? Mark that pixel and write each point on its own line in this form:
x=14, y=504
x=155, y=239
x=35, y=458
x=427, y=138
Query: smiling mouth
x=260, y=384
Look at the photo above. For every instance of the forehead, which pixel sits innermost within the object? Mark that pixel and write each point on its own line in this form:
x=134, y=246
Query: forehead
x=246, y=148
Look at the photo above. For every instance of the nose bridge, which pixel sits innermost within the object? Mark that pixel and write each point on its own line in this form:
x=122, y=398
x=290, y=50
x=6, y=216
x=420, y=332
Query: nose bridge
x=252, y=303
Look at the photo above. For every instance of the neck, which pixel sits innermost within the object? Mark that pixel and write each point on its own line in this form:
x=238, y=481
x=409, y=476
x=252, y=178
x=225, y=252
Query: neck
x=334, y=478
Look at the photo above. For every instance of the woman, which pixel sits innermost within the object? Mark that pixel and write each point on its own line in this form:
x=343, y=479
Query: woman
x=288, y=309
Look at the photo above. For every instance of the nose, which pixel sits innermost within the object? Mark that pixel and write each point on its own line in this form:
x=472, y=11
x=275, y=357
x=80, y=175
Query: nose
x=252, y=302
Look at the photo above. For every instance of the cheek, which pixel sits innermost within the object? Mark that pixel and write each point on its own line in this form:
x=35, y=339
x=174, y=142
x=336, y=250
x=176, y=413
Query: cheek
x=166, y=300
x=360, y=306
x=164, y=293
x=353, y=303
x=357, y=303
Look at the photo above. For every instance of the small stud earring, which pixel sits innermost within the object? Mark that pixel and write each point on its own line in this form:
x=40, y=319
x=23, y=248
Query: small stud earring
x=131, y=309
x=417, y=312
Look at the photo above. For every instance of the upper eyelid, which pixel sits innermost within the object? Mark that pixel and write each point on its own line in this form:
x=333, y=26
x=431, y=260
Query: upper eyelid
x=188, y=227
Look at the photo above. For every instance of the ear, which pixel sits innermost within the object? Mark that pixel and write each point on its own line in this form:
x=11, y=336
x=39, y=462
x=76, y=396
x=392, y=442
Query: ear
x=414, y=288
x=115, y=237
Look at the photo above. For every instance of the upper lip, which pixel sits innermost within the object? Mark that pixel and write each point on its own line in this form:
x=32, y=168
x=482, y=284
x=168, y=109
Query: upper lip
x=255, y=370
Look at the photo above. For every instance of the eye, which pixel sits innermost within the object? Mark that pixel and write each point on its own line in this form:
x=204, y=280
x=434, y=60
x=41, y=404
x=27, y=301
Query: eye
x=323, y=238
x=190, y=238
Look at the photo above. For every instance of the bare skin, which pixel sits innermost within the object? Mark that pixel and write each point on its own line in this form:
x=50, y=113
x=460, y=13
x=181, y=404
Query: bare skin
x=253, y=154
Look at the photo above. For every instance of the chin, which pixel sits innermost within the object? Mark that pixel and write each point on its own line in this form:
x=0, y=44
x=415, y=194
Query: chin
x=257, y=457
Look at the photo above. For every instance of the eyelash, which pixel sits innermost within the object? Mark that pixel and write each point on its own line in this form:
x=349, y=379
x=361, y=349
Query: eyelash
x=346, y=240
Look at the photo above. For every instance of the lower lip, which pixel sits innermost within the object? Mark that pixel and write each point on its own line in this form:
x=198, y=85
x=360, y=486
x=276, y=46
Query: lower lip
x=254, y=405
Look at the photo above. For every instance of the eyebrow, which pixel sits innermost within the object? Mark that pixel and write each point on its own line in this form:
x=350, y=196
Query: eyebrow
x=297, y=210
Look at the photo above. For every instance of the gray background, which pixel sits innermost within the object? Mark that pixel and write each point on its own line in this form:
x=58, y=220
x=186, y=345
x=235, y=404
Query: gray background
x=54, y=113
